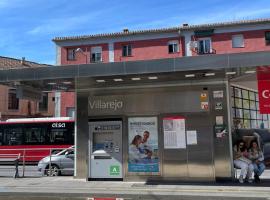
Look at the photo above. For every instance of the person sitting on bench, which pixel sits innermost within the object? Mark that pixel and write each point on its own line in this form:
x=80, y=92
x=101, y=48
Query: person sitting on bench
x=257, y=158
x=242, y=162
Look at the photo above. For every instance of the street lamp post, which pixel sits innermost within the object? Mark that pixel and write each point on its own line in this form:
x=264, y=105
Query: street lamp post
x=81, y=51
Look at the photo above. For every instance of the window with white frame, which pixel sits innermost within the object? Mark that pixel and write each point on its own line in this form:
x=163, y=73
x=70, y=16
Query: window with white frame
x=126, y=50
x=204, y=46
x=173, y=46
x=238, y=41
x=71, y=54
x=96, y=54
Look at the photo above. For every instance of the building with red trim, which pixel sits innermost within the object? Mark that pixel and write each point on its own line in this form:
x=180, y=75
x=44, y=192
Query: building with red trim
x=183, y=41
x=186, y=40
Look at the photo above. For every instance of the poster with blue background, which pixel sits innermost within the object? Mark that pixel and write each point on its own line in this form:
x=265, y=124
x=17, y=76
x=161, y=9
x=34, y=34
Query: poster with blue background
x=143, y=144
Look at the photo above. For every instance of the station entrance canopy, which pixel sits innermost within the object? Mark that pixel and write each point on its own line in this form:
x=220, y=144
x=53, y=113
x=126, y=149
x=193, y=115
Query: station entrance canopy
x=63, y=78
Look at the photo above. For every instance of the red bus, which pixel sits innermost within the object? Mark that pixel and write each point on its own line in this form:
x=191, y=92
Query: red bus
x=33, y=138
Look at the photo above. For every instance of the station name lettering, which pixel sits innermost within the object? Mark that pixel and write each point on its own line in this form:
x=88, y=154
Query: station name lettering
x=110, y=105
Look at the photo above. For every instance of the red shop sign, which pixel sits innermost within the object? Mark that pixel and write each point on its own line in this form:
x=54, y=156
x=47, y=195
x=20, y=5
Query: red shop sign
x=264, y=96
x=263, y=76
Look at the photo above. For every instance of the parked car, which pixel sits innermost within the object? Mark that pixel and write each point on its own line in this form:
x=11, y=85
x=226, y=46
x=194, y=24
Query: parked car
x=61, y=163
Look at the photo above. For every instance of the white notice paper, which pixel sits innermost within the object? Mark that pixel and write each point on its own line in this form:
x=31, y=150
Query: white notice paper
x=174, y=133
x=191, y=137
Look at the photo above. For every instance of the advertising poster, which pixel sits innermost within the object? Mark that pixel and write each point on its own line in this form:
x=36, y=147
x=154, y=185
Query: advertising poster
x=143, y=144
x=174, y=133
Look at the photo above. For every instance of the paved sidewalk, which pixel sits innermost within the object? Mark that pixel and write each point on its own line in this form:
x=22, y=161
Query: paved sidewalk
x=70, y=187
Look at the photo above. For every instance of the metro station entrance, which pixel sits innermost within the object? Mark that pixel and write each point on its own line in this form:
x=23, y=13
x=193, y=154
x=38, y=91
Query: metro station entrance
x=105, y=150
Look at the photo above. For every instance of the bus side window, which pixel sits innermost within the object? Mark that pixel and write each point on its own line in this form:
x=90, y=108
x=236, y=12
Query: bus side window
x=1, y=138
x=34, y=135
x=13, y=136
x=57, y=136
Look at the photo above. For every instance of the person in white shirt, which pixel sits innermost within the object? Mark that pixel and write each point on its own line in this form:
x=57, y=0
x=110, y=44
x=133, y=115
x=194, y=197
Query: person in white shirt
x=144, y=146
x=242, y=162
x=134, y=151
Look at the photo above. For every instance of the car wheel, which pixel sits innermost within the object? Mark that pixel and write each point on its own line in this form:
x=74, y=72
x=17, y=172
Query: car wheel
x=53, y=171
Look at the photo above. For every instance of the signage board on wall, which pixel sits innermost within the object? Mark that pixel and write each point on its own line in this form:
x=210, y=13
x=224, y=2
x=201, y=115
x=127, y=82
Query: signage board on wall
x=218, y=94
x=143, y=144
x=174, y=132
x=263, y=78
x=264, y=96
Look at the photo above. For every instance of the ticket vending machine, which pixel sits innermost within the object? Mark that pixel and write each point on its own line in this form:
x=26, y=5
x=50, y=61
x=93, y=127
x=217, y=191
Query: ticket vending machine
x=105, y=150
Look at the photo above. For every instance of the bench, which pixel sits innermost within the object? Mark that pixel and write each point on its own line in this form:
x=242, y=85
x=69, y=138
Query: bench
x=11, y=158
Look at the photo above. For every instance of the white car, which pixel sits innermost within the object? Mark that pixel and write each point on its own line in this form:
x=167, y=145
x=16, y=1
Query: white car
x=61, y=163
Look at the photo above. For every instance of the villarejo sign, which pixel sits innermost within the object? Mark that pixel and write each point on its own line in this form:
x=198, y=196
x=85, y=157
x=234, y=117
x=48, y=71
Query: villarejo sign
x=105, y=105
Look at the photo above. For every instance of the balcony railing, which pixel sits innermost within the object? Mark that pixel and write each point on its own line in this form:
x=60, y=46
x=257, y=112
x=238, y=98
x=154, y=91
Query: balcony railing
x=210, y=51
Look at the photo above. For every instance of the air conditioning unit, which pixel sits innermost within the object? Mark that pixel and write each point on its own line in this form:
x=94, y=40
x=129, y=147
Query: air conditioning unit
x=193, y=44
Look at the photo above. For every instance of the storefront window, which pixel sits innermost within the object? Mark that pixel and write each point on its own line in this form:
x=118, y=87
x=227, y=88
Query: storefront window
x=246, y=123
x=266, y=124
x=232, y=101
x=246, y=104
x=259, y=116
x=237, y=92
x=252, y=105
x=252, y=95
x=256, y=96
x=238, y=103
x=254, y=124
x=245, y=94
x=253, y=114
x=246, y=112
x=239, y=113
x=233, y=113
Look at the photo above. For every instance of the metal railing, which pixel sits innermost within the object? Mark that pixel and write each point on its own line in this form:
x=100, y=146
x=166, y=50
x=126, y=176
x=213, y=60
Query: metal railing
x=36, y=161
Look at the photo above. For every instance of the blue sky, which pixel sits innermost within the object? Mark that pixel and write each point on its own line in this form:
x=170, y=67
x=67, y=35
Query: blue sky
x=28, y=26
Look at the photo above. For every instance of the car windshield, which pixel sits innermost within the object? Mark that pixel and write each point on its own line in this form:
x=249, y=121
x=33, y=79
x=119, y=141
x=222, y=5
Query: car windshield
x=64, y=151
